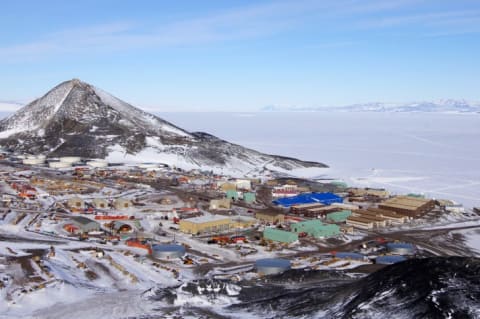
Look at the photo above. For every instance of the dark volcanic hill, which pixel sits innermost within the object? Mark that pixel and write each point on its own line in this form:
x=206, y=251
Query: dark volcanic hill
x=433, y=288
x=76, y=118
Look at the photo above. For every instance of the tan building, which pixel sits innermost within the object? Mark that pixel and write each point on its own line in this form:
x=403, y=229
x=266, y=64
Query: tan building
x=244, y=184
x=409, y=206
x=302, y=208
x=242, y=222
x=268, y=216
x=76, y=203
x=100, y=203
x=392, y=217
x=205, y=224
x=359, y=222
x=369, y=192
x=218, y=204
x=228, y=187
x=372, y=216
x=122, y=203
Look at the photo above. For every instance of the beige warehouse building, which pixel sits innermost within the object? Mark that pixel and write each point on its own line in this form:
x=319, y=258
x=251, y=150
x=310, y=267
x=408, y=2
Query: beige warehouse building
x=271, y=217
x=409, y=206
x=214, y=223
x=205, y=224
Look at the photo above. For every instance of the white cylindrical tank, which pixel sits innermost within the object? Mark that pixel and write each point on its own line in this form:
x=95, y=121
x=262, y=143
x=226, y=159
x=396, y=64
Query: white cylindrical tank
x=59, y=164
x=33, y=161
x=97, y=163
x=272, y=266
x=167, y=251
x=70, y=159
x=148, y=165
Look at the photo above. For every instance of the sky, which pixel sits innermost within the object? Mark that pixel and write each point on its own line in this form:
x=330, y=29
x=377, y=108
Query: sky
x=243, y=55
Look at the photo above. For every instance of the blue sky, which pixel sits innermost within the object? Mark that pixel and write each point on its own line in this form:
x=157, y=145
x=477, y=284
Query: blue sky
x=243, y=55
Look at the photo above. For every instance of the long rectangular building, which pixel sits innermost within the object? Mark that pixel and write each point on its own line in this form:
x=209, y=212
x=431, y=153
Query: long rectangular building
x=377, y=220
x=406, y=205
x=359, y=222
x=205, y=224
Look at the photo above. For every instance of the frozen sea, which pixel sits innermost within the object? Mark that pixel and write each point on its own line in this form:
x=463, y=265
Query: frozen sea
x=434, y=154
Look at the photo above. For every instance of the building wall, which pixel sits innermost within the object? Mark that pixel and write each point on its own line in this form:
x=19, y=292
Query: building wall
x=338, y=217
x=270, y=218
x=279, y=235
x=249, y=197
x=316, y=228
x=232, y=194
x=220, y=203
x=190, y=227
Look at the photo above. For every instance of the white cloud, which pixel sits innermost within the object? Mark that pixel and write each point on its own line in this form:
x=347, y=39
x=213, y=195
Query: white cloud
x=259, y=20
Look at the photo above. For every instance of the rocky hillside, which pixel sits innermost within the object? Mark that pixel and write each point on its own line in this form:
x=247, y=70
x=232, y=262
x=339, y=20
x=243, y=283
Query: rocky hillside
x=76, y=118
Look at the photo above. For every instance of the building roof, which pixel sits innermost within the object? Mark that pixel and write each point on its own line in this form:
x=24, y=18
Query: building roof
x=339, y=216
x=360, y=220
x=206, y=219
x=268, y=213
x=406, y=202
x=306, y=198
x=82, y=220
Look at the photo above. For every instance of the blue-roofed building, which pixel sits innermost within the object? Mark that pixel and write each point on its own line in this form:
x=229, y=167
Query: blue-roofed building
x=308, y=198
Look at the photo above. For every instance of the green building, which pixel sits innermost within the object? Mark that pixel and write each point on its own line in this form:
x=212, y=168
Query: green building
x=249, y=197
x=416, y=195
x=279, y=235
x=338, y=217
x=232, y=194
x=316, y=228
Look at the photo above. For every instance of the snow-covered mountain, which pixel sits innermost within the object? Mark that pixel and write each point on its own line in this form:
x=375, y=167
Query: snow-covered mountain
x=440, y=106
x=76, y=118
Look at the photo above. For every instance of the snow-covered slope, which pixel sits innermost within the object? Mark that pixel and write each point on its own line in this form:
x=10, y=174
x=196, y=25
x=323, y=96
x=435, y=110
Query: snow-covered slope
x=440, y=106
x=76, y=118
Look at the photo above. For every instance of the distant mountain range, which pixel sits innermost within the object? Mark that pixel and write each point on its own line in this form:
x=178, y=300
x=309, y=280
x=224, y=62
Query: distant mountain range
x=440, y=106
x=76, y=118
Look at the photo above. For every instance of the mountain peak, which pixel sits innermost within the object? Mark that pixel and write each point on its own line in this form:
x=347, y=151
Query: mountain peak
x=76, y=118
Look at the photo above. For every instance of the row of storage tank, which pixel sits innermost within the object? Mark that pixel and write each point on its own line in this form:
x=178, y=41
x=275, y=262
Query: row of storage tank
x=398, y=253
x=271, y=266
x=62, y=162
